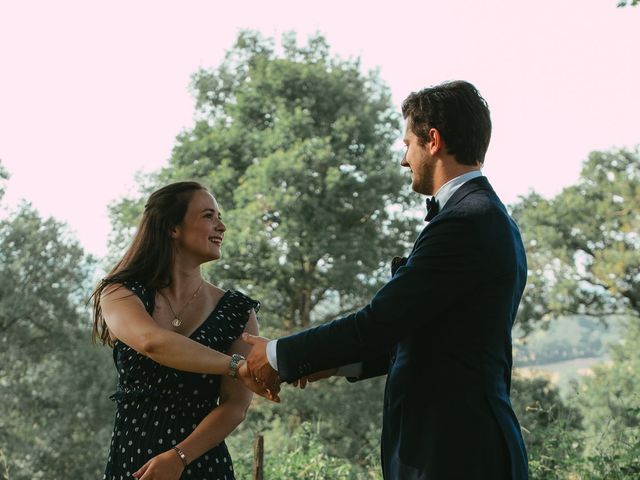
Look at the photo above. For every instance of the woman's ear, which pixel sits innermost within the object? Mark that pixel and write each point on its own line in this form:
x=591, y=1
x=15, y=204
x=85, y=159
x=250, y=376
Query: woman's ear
x=174, y=232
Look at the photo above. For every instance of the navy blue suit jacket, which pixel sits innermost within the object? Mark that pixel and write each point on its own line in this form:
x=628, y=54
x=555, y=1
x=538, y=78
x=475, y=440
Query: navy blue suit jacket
x=441, y=330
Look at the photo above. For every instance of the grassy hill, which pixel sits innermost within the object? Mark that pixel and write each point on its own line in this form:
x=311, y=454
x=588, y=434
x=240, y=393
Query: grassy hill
x=566, y=350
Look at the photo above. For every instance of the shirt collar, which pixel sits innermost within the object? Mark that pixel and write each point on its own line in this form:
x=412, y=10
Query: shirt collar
x=445, y=192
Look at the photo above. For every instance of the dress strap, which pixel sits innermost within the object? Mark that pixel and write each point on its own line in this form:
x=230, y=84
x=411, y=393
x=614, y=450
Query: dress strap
x=142, y=292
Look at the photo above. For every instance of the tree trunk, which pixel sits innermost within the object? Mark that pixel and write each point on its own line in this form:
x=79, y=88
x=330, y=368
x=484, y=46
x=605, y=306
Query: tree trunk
x=258, y=458
x=305, y=308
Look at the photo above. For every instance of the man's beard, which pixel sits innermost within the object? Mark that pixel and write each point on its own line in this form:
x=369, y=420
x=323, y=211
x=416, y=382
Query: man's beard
x=427, y=186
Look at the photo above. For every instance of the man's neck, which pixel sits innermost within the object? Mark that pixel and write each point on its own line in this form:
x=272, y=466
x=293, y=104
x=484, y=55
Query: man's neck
x=449, y=170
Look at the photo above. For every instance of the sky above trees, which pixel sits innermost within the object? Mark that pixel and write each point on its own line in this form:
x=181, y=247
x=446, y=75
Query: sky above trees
x=91, y=93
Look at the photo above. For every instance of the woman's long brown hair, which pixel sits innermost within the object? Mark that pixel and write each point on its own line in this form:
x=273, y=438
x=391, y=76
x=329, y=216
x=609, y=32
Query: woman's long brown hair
x=149, y=258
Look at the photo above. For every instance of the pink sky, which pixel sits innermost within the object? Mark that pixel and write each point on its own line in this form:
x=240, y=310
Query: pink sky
x=91, y=92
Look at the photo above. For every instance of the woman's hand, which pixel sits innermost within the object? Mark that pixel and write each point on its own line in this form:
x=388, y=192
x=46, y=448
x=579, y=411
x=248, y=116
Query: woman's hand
x=244, y=375
x=166, y=466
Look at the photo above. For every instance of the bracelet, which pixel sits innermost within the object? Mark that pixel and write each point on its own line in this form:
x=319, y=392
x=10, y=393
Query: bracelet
x=182, y=456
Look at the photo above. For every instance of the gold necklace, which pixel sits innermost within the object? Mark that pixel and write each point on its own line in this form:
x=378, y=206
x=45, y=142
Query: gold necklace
x=177, y=321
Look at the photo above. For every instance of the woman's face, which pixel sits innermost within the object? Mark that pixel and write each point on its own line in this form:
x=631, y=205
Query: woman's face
x=201, y=232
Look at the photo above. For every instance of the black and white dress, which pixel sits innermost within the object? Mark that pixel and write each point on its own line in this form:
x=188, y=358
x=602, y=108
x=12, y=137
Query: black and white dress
x=158, y=406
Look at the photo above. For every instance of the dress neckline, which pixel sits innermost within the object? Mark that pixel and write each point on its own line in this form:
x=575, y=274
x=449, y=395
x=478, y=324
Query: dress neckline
x=210, y=316
x=199, y=327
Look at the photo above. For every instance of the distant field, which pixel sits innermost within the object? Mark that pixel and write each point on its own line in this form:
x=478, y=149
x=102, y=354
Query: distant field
x=566, y=351
x=561, y=373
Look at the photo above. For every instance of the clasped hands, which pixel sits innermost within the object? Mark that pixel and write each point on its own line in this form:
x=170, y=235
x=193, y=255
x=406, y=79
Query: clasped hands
x=257, y=371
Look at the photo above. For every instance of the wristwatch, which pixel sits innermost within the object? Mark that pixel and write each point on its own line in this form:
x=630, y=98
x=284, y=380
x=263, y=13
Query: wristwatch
x=233, y=364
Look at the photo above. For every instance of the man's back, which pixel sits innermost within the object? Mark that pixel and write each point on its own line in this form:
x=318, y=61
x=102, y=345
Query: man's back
x=447, y=407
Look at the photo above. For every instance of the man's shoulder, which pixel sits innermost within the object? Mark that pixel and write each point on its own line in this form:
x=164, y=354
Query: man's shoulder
x=477, y=200
x=472, y=213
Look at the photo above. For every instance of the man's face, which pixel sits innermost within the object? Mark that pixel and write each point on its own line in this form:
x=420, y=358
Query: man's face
x=419, y=160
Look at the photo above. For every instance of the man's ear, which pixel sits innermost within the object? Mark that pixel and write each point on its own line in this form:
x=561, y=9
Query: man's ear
x=436, y=142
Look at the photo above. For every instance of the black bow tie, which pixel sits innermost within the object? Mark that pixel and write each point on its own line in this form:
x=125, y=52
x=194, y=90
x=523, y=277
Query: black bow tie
x=433, y=207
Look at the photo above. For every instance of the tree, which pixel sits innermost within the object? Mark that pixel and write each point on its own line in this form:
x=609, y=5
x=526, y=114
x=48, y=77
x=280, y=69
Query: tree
x=626, y=3
x=583, y=251
x=4, y=176
x=583, y=245
x=297, y=148
x=609, y=400
x=56, y=417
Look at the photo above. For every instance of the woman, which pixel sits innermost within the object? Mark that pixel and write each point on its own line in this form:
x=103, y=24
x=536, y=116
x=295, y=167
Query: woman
x=179, y=392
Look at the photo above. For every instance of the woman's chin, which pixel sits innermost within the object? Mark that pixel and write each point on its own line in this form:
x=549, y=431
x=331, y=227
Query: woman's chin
x=211, y=255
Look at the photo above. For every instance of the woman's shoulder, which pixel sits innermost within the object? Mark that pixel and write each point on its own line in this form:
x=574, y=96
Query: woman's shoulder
x=237, y=310
x=134, y=286
x=242, y=301
x=234, y=299
x=123, y=288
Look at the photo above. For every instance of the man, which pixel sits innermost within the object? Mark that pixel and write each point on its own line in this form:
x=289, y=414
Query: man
x=441, y=327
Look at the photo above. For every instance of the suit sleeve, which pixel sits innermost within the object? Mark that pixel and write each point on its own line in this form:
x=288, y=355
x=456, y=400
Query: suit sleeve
x=442, y=264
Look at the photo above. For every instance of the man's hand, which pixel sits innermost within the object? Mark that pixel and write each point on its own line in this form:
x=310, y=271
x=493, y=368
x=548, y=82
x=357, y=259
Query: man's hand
x=245, y=376
x=259, y=364
x=314, y=377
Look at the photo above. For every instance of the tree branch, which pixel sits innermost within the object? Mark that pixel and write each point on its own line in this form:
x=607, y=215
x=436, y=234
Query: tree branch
x=338, y=314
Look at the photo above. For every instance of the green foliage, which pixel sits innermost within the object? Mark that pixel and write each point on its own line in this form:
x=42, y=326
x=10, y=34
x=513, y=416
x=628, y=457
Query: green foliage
x=55, y=416
x=346, y=421
x=551, y=429
x=583, y=245
x=297, y=148
x=301, y=453
x=628, y=3
x=593, y=435
x=4, y=176
x=610, y=404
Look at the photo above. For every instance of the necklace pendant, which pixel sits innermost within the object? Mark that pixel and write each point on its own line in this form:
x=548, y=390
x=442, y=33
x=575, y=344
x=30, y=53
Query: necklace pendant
x=176, y=322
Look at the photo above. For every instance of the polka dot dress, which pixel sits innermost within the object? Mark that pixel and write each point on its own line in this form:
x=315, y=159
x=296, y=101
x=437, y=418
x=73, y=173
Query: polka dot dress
x=158, y=406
